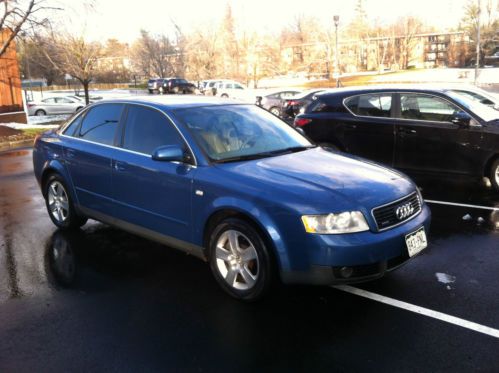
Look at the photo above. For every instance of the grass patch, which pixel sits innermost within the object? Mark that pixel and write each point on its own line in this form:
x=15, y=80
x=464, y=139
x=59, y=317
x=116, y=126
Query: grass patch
x=32, y=132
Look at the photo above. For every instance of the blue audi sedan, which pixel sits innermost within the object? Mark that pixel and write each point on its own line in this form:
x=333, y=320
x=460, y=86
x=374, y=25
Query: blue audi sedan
x=233, y=185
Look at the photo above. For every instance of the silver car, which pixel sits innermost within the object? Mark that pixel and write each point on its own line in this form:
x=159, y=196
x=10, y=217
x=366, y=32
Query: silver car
x=55, y=105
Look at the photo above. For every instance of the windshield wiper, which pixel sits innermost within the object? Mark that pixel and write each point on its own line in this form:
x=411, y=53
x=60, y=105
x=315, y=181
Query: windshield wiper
x=272, y=153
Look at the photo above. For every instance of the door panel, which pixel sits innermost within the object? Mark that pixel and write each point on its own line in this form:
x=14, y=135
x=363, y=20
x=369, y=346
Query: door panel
x=370, y=132
x=427, y=140
x=155, y=195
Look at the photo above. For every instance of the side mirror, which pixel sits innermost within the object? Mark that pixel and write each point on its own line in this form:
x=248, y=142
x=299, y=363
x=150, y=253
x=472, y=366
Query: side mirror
x=462, y=119
x=168, y=153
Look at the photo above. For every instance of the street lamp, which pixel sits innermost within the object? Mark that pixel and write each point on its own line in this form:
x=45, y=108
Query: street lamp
x=336, y=19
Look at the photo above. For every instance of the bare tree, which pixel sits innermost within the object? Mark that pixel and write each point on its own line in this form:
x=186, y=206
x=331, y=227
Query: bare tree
x=17, y=14
x=75, y=56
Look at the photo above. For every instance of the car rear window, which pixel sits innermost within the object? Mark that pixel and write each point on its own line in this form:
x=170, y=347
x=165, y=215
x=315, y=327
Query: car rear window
x=100, y=123
x=371, y=105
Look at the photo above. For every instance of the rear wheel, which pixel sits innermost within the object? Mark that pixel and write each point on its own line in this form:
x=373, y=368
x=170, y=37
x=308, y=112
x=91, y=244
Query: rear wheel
x=224, y=95
x=494, y=175
x=40, y=113
x=60, y=206
x=240, y=260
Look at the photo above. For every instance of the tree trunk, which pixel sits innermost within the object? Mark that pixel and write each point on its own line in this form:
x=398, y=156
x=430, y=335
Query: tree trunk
x=85, y=88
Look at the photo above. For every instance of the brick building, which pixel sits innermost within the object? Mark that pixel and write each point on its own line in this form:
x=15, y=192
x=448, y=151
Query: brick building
x=11, y=102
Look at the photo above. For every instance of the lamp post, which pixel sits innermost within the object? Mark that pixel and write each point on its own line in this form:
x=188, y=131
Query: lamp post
x=477, y=66
x=336, y=19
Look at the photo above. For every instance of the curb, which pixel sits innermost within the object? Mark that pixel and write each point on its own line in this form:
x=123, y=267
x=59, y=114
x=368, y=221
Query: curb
x=9, y=145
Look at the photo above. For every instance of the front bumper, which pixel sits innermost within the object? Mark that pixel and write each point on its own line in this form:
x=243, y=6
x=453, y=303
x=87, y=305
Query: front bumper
x=366, y=255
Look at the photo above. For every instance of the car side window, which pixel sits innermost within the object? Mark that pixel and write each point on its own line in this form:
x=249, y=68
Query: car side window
x=100, y=123
x=146, y=129
x=63, y=100
x=49, y=100
x=237, y=86
x=426, y=107
x=229, y=86
x=371, y=105
x=70, y=130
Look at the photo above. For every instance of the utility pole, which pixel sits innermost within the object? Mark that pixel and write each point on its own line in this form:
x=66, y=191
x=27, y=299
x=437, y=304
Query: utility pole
x=336, y=19
x=477, y=66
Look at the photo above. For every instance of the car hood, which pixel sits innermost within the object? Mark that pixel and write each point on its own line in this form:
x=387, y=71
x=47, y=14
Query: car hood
x=323, y=180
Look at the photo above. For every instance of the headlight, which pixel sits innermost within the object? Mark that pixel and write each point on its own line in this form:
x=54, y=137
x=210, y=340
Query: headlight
x=345, y=222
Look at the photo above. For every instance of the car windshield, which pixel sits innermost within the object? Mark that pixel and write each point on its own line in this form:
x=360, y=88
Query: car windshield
x=483, y=111
x=238, y=132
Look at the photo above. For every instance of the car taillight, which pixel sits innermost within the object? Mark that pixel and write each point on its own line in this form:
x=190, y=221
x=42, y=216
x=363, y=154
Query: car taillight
x=300, y=122
x=292, y=102
x=30, y=104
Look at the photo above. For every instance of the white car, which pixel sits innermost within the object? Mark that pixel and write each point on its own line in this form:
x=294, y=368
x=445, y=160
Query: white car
x=55, y=105
x=234, y=90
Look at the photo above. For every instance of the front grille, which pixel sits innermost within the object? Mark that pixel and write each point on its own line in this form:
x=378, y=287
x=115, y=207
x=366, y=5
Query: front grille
x=386, y=215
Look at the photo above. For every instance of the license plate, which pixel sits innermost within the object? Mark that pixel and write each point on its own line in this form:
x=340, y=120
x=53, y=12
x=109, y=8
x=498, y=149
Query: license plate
x=416, y=241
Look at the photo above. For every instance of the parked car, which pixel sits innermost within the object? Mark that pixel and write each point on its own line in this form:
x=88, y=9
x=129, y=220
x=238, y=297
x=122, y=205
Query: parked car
x=177, y=85
x=233, y=185
x=55, y=105
x=155, y=85
x=273, y=101
x=292, y=106
x=234, y=90
x=416, y=130
x=476, y=94
x=208, y=87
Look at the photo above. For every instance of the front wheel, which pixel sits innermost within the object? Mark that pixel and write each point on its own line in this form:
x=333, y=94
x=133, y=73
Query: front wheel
x=60, y=206
x=275, y=110
x=494, y=175
x=40, y=113
x=240, y=260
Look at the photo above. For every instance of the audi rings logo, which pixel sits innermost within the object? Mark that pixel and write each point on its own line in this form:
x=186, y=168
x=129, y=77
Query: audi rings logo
x=404, y=211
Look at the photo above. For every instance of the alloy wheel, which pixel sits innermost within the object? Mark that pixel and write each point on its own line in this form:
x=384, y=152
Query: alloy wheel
x=237, y=260
x=58, y=201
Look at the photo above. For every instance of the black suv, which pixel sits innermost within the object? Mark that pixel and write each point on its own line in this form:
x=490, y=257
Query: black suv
x=177, y=85
x=434, y=131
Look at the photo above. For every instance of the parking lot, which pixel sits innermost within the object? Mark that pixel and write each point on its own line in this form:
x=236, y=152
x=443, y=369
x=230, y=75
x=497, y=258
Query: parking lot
x=103, y=299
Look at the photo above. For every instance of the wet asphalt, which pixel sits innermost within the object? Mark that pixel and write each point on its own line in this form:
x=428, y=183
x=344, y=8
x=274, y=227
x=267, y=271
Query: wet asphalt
x=101, y=299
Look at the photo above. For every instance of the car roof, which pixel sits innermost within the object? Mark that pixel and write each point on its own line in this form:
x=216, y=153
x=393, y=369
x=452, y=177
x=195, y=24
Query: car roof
x=173, y=102
x=381, y=88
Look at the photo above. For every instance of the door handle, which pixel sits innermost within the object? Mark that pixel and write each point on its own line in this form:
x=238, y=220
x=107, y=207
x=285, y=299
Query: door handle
x=351, y=126
x=408, y=131
x=119, y=166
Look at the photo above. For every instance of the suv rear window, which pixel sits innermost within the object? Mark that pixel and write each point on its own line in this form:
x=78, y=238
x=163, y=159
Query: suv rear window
x=371, y=105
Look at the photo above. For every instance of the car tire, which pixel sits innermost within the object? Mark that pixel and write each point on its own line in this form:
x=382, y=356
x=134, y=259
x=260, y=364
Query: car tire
x=224, y=95
x=494, y=175
x=240, y=260
x=151, y=91
x=60, y=205
x=40, y=113
x=275, y=110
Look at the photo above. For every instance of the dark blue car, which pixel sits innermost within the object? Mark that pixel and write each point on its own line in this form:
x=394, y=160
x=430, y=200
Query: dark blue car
x=233, y=185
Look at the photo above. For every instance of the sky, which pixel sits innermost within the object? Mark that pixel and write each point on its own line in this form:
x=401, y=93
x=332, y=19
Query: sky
x=123, y=19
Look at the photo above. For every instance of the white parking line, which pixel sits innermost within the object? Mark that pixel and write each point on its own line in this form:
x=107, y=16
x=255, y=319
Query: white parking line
x=462, y=205
x=420, y=310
